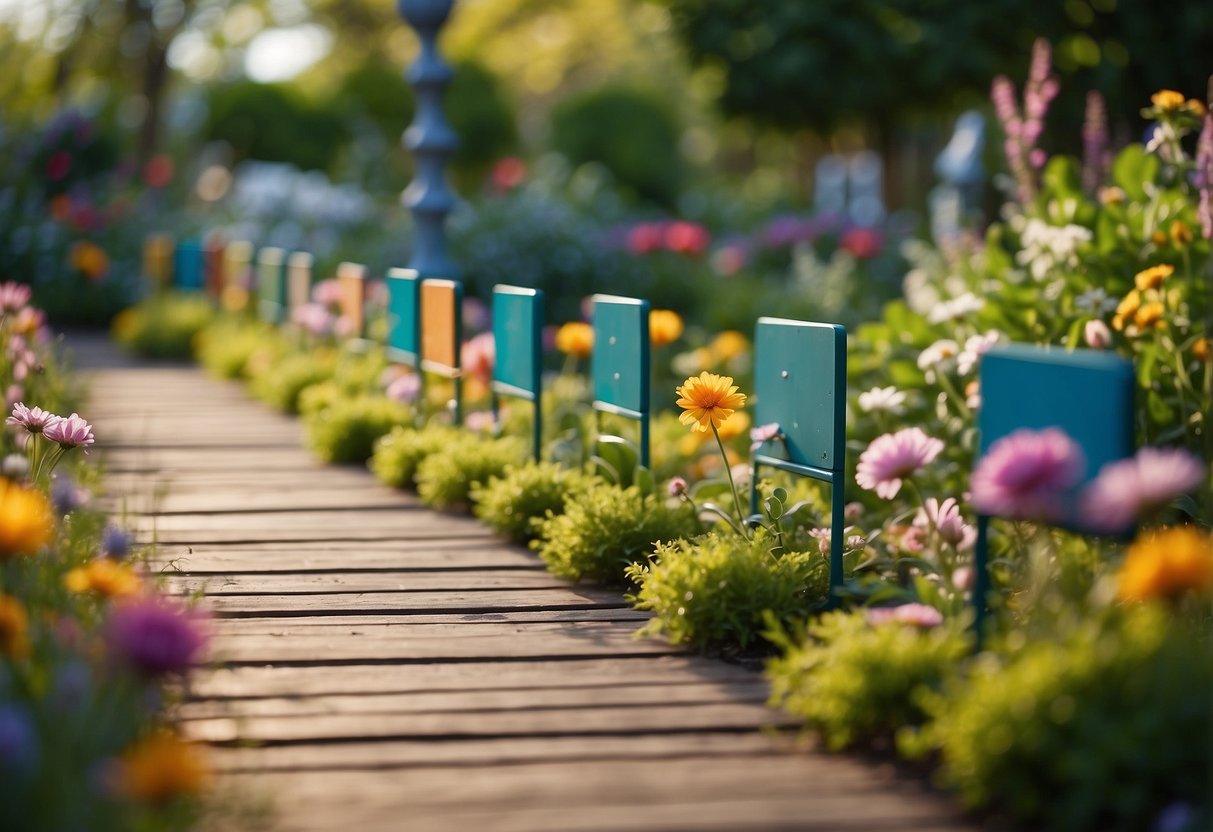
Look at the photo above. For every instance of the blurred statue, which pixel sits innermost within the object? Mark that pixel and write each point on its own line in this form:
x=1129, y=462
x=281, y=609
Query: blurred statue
x=957, y=198
x=850, y=188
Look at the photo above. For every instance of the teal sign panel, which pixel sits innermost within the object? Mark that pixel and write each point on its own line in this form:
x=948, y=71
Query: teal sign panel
x=517, y=323
x=620, y=360
x=404, y=315
x=188, y=266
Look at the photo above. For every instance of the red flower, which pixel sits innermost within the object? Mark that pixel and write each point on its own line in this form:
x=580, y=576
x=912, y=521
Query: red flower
x=688, y=238
x=862, y=242
x=58, y=166
x=645, y=238
x=158, y=172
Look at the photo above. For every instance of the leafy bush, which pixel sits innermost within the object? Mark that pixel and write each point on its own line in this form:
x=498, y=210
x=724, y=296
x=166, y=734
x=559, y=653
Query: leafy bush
x=630, y=132
x=163, y=325
x=445, y=480
x=857, y=682
x=606, y=530
x=397, y=455
x=515, y=503
x=713, y=592
x=274, y=123
x=476, y=105
x=347, y=429
x=229, y=346
x=1103, y=728
x=280, y=384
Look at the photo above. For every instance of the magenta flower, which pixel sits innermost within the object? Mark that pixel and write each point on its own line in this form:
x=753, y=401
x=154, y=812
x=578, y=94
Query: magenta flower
x=13, y=296
x=69, y=431
x=946, y=520
x=919, y=615
x=404, y=389
x=479, y=355
x=33, y=419
x=893, y=457
x=1127, y=490
x=155, y=635
x=1027, y=475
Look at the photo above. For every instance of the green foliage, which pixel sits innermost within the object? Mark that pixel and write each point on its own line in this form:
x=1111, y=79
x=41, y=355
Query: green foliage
x=607, y=529
x=515, y=503
x=280, y=384
x=229, y=347
x=478, y=110
x=377, y=92
x=398, y=454
x=1100, y=728
x=716, y=591
x=631, y=132
x=856, y=682
x=446, y=480
x=163, y=325
x=274, y=123
x=347, y=429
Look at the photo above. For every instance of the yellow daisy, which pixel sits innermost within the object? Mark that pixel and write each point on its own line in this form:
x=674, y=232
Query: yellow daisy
x=1167, y=564
x=707, y=400
x=26, y=523
x=665, y=327
x=575, y=338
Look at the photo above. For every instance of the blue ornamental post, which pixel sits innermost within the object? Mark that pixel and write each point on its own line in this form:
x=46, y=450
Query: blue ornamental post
x=431, y=140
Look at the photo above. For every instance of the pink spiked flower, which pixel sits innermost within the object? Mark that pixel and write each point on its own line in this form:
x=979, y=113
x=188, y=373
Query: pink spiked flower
x=33, y=419
x=69, y=431
x=1129, y=489
x=1026, y=475
x=894, y=456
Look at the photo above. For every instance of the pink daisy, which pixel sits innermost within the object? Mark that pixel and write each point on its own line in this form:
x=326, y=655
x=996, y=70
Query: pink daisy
x=69, y=431
x=893, y=457
x=13, y=296
x=1127, y=490
x=33, y=419
x=945, y=518
x=1027, y=475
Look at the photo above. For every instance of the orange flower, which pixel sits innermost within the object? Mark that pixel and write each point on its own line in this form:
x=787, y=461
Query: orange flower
x=25, y=520
x=158, y=768
x=735, y=426
x=1167, y=564
x=1200, y=350
x=1181, y=233
x=1167, y=100
x=1149, y=315
x=729, y=344
x=1127, y=307
x=575, y=338
x=89, y=258
x=14, y=627
x=1153, y=277
x=665, y=327
x=61, y=207
x=103, y=577
x=708, y=400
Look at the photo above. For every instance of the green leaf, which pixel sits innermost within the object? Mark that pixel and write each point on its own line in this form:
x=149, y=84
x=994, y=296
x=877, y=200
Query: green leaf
x=644, y=481
x=1133, y=169
x=1159, y=410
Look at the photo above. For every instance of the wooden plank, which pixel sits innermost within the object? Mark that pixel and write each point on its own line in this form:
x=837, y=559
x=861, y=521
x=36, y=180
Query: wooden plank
x=402, y=603
x=267, y=626
x=378, y=581
x=463, y=553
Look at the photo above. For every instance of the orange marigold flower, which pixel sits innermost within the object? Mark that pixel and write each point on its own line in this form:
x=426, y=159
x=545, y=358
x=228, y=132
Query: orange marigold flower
x=729, y=344
x=665, y=327
x=1158, y=237
x=1181, y=233
x=575, y=338
x=14, y=628
x=1167, y=100
x=1149, y=315
x=1201, y=350
x=89, y=258
x=26, y=521
x=1195, y=107
x=1127, y=307
x=1152, y=278
x=1167, y=564
x=104, y=577
x=708, y=400
x=158, y=768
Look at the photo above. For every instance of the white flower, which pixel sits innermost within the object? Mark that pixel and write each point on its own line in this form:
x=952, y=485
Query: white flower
x=1095, y=302
x=940, y=356
x=975, y=347
x=1049, y=247
x=955, y=308
x=883, y=399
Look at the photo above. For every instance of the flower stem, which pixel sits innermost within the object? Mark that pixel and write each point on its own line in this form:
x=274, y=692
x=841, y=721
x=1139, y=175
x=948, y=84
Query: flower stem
x=724, y=457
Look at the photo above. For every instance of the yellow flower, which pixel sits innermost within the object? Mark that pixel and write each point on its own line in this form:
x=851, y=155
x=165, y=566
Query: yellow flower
x=1158, y=237
x=1127, y=307
x=1149, y=315
x=575, y=338
x=160, y=767
x=729, y=344
x=234, y=298
x=708, y=400
x=1111, y=196
x=14, y=626
x=1167, y=100
x=690, y=444
x=89, y=258
x=1181, y=233
x=1195, y=107
x=1201, y=351
x=1167, y=564
x=734, y=427
x=1152, y=277
x=25, y=520
x=665, y=327
x=103, y=577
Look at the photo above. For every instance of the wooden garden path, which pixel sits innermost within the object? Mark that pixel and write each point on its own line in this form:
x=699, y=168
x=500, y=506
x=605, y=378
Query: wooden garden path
x=385, y=667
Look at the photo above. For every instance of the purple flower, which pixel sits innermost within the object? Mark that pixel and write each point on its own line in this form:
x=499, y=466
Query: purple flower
x=33, y=419
x=13, y=297
x=404, y=389
x=764, y=433
x=155, y=635
x=1204, y=176
x=1027, y=474
x=1094, y=142
x=69, y=431
x=677, y=487
x=314, y=317
x=919, y=615
x=894, y=456
x=18, y=740
x=66, y=496
x=115, y=542
x=475, y=315
x=1127, y=490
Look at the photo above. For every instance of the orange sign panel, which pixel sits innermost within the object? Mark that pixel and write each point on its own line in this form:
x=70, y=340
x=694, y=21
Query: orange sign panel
x=352, y=277
x=439, y=343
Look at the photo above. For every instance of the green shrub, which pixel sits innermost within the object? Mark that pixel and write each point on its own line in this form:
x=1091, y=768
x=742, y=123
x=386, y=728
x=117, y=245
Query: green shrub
x=397, y=455
x=713, y=592
x=607, y=529
x=274, y=122
x=857, y=682
x=230, y=346
x=318, y=397
x=515, y=503
x=346, y=430
x=476, y=105
x=163, y=325
x=280, y=384
x=445, y=480
x=1102, y=728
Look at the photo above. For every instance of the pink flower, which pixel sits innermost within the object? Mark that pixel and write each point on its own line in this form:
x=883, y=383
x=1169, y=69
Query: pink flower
x=69, y=431
x=404, y=389
x=689, y=238
x=479, y=355
x=1129, y=489
x=946, y=520
x=677, y=487
x=58, y=166
x=34, y=420
x=823, y=538
x=314, y=317
x=328, y=293
x=864, y=243
x=1097, y=335
x=919, y=615
x=764, y=433
x=645, y=238
x=1026, y=475
x=155, y=635
x=963, y=578
x=730, y=259
x=508, y=173
x=894, y=456
x=13, y=296
x=480, y=421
